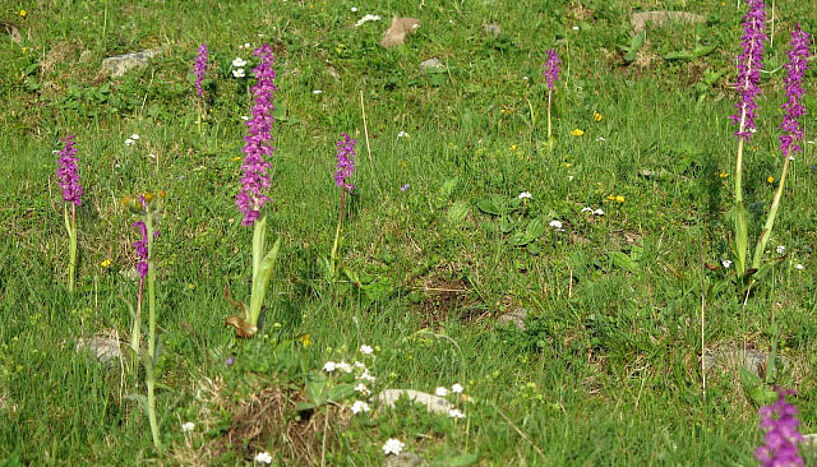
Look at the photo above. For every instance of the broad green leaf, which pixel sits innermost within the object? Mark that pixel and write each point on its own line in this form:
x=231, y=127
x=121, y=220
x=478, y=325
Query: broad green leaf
x=623, y=261
x=458, y=212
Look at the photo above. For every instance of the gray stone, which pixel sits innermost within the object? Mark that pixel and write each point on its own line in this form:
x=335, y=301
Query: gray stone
x=120, y=64
x=752, y=360
x=434, y=404
x=405, y=459
x=493, y=29
x=516, y=317
x=104, y=348
x=660, y=18
x=432, y=64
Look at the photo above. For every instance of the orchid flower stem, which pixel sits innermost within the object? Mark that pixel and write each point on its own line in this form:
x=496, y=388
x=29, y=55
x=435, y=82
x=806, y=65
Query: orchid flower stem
x=550, y=93
x=334, y=255
x=767, y=228
x=71, y=227
x=151, y=357
x=741, y=230
x=263, y=262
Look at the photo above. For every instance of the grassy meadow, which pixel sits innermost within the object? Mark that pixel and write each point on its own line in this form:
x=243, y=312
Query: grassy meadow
x=436, y=243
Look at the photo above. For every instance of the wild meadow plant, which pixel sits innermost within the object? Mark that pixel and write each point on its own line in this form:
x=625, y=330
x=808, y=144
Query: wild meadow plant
x=749, y=64
x=792, y=132
x=551, y=74
x=201, y=71
x=255, y=184
x=345, y=168
x=779, y=422
x=147, y=207
x=68, y=177
x=748, y=85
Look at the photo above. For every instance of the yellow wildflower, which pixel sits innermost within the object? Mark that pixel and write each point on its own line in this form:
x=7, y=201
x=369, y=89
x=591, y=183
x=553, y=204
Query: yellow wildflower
x=770, y=179
x=577, y=132
x=106, y=263
x=24, y=49
x=23, y=13
x=568, y=164
x=305, y=340
x=620, y=199
x=514, y=147
x=191, y=286
x=597, y=116
x=611, y=197
x=236, y=158
x=723, y=175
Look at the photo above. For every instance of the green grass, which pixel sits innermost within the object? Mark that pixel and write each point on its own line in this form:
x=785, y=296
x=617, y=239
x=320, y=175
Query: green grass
x=608, y=369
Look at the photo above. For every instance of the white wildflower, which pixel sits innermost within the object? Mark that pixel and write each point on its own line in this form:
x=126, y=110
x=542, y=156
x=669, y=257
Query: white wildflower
x=245, y=118
x=359, y=406
x=239, y=62
x=556, y=225
x=366, y=349
x=134, y=136
x=393, y=446
x=525, y=195
x=366, y=19
x=598, y=212
x=151, y=156
x=575, y=28
x=330, y=366
x=263, y=458
x=188, y=427
x=441, y=391
x=726, y=263
x=366, y=376
x=457, y=388
x=353, y=9
x=402, y=134
x=317, y=91
x=129, y=142
x=344, y=367
x=359, y=364
x=238, y=73
x=799, y=267
x=361, y=388
x=455, y=413
x=780, y=249
x=587, y=209
x=570, y=178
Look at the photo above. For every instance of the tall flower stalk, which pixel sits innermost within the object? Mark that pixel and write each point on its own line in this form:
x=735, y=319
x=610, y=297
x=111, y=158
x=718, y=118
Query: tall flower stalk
x=68, y=177
x=749, y=62
x=255, y=181
x=792, y=132
x=201, y=70
x=147, y=207
x=344, y=169
x=779, y=422
x=551, y=74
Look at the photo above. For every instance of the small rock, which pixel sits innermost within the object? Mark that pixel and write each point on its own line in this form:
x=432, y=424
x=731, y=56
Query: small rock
x=399, y=29
x=493, y=29
x=120, y=64
x=405, y=459
x=104, y=347
x=434, y=404
x=432, y=64
x=660, y=18
x=753, y=360
x=653, y=174
x=515, y=317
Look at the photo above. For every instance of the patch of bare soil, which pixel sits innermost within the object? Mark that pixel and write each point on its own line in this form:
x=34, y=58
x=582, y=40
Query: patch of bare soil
x=449, y=298
x=268, y=421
